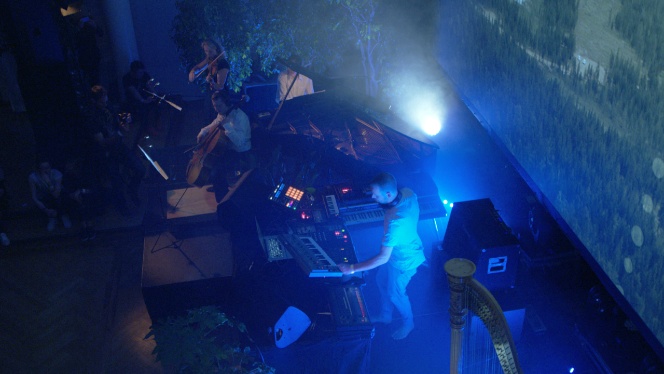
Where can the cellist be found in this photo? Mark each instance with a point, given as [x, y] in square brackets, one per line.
[227, 140]
[214, 63]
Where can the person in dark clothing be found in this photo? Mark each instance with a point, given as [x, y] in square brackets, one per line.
[80, 189]
[4, 204]
[109, 151]
[137, 85]
[89, 54]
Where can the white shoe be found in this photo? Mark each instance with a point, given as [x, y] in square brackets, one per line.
[66, 222]
[4, 239]
[51, 224]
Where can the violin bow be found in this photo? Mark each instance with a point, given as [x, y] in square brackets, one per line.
[163, 98]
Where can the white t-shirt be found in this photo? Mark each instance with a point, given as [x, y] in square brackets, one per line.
[400, 232]
[302, 86]
[236, 128]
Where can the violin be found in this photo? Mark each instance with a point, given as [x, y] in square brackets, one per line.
[211, 67]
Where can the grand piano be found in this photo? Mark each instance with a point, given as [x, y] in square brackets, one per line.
[317, 155]
[322, 150]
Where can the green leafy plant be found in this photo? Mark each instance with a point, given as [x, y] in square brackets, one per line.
[204, 341]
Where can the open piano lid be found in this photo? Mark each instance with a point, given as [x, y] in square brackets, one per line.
[354, 126]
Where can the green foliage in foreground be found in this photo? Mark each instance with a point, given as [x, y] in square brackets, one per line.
[204, 341]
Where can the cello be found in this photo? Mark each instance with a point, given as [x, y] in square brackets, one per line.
[198, 172]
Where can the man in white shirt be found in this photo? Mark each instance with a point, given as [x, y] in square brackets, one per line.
[233, 150]
[233, 121]
[401, 252]
[302, 85]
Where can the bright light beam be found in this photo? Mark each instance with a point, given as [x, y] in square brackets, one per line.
[426, 111]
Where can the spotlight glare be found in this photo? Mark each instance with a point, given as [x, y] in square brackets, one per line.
[423, 109]
[571, 370]
[431, 126]
[445, 201]
[451, 205]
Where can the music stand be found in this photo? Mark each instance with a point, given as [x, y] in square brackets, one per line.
[155, 164]
[175, 243]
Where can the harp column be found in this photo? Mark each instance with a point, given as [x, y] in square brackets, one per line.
[459, 272]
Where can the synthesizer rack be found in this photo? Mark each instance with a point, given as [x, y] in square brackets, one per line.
[318, 247]
[317, 240]
[369, 213]
[348, 309]
[357, 209]
[310, 256]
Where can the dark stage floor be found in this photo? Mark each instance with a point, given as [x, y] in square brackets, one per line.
[62, 297]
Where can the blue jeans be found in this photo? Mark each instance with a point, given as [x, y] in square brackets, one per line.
[392, 284]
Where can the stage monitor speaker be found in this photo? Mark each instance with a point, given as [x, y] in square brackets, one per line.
[476, 232]
[186, 268]
[515, 319]
[175, 299]
[290, 326]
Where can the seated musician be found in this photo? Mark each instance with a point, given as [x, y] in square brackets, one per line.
[232, 153]
[301, 86]
[215, 63]
[137, 84]
[109, 153]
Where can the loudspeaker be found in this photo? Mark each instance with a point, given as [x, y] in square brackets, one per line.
[184, 268]
[515, 318]
[290, 326]
[175, 299]
[476, 232]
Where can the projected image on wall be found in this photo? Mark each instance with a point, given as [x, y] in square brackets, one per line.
[575, 91]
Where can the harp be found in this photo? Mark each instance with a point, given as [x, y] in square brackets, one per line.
[467, 294]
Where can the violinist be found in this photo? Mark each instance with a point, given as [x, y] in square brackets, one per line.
[214, 65]
[137, 84]
[109, 154]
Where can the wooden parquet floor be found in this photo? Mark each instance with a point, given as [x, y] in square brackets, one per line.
[73, 307]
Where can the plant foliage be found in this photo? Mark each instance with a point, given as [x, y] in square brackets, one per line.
[204, 341]
[255, 34]
[322, 32]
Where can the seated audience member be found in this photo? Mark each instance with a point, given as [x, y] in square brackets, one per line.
[109, 152]
[4, 203]
[302, 85]
[46, 189]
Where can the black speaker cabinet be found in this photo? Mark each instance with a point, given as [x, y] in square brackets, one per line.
[186, 267]
[175, 299]
[476, 232]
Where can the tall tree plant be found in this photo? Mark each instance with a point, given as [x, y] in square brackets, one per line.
[256, 33]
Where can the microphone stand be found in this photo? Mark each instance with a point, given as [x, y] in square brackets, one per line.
[281, 103]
